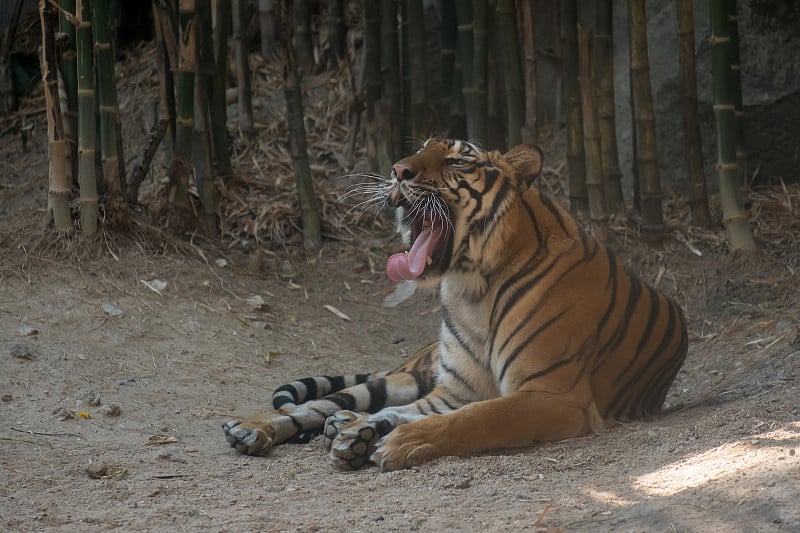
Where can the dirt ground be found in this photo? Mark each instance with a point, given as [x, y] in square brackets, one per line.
[118, 368]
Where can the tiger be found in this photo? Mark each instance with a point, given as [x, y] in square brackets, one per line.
[545, 335]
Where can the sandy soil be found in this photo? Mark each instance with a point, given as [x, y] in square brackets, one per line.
[180, 361]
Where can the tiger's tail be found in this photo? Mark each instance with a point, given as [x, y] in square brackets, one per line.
[313, 388]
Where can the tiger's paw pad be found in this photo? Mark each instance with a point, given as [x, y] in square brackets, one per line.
[353, 445]
[335, 423]
[249, 437]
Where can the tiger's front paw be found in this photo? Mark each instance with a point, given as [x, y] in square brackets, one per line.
[405, 447]
[351, 439]
[250, 436]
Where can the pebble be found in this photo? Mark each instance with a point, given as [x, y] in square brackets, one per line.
[22, 351]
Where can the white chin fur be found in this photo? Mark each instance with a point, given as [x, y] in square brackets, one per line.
[402, 229]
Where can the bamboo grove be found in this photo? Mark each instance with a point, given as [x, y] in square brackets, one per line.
[473, 75]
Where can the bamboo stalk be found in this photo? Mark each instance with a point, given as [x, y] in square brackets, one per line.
[8, 99]
[202, 154]
[529, 134]
[312, 236]
[303, 47]
[736, 81]
[604, 68]
[372, 51]
[337, 32]
[734, 216]
[416, 65]
[165, 22]
[515, 90]
[576, 162]
[449, 35]
[390, 66]
[645, 119]
[595, 185]
[246, 122]
[480, 74]
[181, 166]
[465, 49]
[69, 75]
[698, 193]
[113, 162]
[218, 102]
[60, 182]
[87, 177]
[266, 21]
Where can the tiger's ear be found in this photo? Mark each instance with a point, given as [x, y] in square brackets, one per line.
[526, 160]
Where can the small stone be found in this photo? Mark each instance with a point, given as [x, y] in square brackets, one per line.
[92, 399]
[22, 351]
[97, 471]
[791, 452]
[8, 398]
[26, 331]
[112, 310]
[64, 414]
[111, 410]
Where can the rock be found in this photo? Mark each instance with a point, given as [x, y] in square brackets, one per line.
[22, 351]
[111, 410]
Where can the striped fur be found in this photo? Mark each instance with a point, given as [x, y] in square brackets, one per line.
[545, 334]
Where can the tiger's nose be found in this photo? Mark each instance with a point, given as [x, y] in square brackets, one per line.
[402, 172]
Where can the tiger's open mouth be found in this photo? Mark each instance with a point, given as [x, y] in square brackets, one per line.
[431, 243]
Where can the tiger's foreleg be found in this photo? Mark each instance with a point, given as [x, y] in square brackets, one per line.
[257, 434]
[512, 421]
[353, 438]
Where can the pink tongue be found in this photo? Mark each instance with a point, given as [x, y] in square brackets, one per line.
[408, 266]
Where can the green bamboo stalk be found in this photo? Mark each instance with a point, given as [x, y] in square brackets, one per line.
[246, 122]
[645, 119]
[576, 162]
[698, 193]
[390, 66]
[595, 185]
[529, 134]
[416, 65]
[60, 182]
[181, 167]
[218, 102]
[480, 74]
[69, 75]
[515, 90]
[112, 160]
[604, 68]
[87, 177]
[312, 235]
[734, 216]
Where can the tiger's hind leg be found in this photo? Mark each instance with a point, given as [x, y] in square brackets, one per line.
[256, 435]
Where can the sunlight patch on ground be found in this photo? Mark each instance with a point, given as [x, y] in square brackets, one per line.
[609, 497]
[724, 460]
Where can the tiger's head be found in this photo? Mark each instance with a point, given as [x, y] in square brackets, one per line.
[449, 197]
